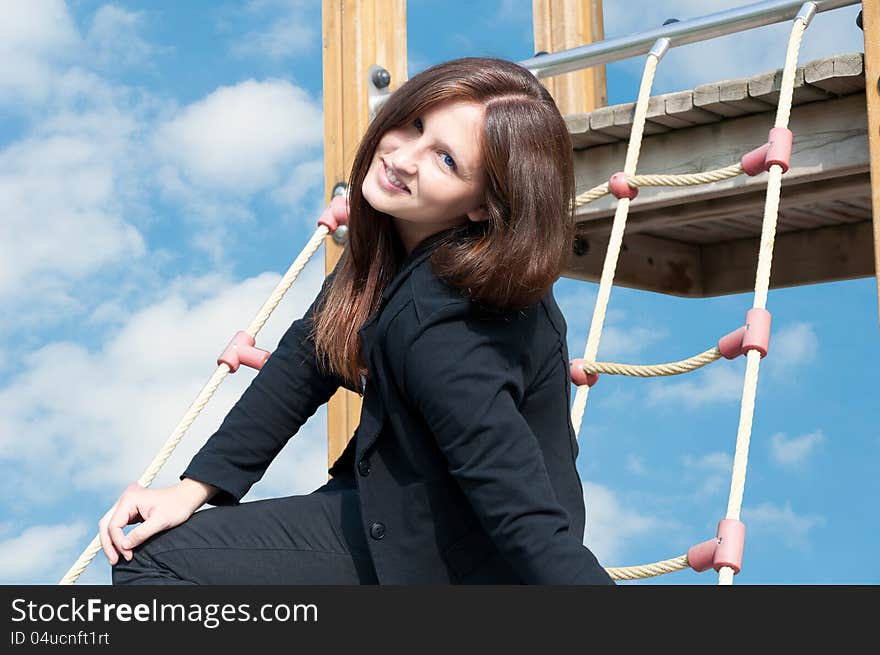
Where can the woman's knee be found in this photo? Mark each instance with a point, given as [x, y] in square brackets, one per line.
[144, 568]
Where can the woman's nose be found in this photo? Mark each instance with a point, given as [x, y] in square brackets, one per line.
[405, 161]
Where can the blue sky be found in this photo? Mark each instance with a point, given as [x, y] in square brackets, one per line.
[161, 167]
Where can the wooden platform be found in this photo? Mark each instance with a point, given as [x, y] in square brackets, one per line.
[703, 241]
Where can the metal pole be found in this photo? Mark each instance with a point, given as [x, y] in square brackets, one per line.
[680, 33]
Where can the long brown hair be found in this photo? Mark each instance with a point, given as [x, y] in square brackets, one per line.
[530, 190]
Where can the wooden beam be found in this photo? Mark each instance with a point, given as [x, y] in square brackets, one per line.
[563, 24]
[646, 262]
[650, 263]
[356, 35]
[826, 254]
[871, 25]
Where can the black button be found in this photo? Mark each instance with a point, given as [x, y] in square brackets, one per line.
[377, 530]
[364, 467]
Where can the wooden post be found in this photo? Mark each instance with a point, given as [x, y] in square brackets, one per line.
[563, 24]
[356, 35]
[871, 26]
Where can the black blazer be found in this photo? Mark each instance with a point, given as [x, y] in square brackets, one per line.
[464, 456]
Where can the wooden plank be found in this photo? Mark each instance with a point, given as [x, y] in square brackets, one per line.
[826, 254]
[581, 134]
[623, 118]
[722, 206]
[602, 121]
[708, 97]
[871, 23]
[830, 140]
[355, 35]
[737, 92]
[766, 88]
[841, 75]
[681, 105]
[563, 24]
[657, 113]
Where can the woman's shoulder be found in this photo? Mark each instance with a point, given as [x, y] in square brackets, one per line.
[435, 298]
[431, 293]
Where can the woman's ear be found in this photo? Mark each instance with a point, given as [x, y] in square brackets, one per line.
[478, 214]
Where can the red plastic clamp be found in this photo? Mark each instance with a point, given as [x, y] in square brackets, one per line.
[777, 150]
[726, 549]
[241, 351]
[335, 214]
[579, 376]
[754, 335]
[620, 188]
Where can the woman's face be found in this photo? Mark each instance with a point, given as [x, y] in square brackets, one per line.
[429, 175]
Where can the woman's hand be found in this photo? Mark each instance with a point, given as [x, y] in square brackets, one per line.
[158, 509]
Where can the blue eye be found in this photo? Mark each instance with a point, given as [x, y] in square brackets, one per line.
[447, 159]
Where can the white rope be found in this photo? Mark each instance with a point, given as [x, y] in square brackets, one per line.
[654, 370]
[206, 393]
[762, 286]
[617, 229]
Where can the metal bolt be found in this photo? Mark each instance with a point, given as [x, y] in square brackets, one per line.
[381, 78]
[340, 235]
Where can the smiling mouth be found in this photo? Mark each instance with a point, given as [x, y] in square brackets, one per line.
[396, 183]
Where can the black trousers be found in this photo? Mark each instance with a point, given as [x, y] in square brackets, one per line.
[313, 539]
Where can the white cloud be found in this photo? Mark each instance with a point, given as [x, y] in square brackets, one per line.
[635, 464]
[31, 556]
[737, 55]
[781, 523]
[619, 344]
[720, 382]
[791, 347]
[794, 451]
[115, 40]
[61, 219]
[306, 180]
[610, 525]
[289, 30]
[107, 411]
[238, 138]
[716, 467]
[34, 36]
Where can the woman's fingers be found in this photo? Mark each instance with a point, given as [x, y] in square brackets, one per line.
[144, 531]
[123, 515]
[126, 511]
[104, 535]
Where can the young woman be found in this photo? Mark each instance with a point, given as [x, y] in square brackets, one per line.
[440, 312]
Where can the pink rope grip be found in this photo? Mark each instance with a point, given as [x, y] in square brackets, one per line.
[726, 549]
[731, 345]
[241, 351]
[777, 150]
[757, 331]
[731, 541]
[335, 214]
[579, 376]
[620, 188]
